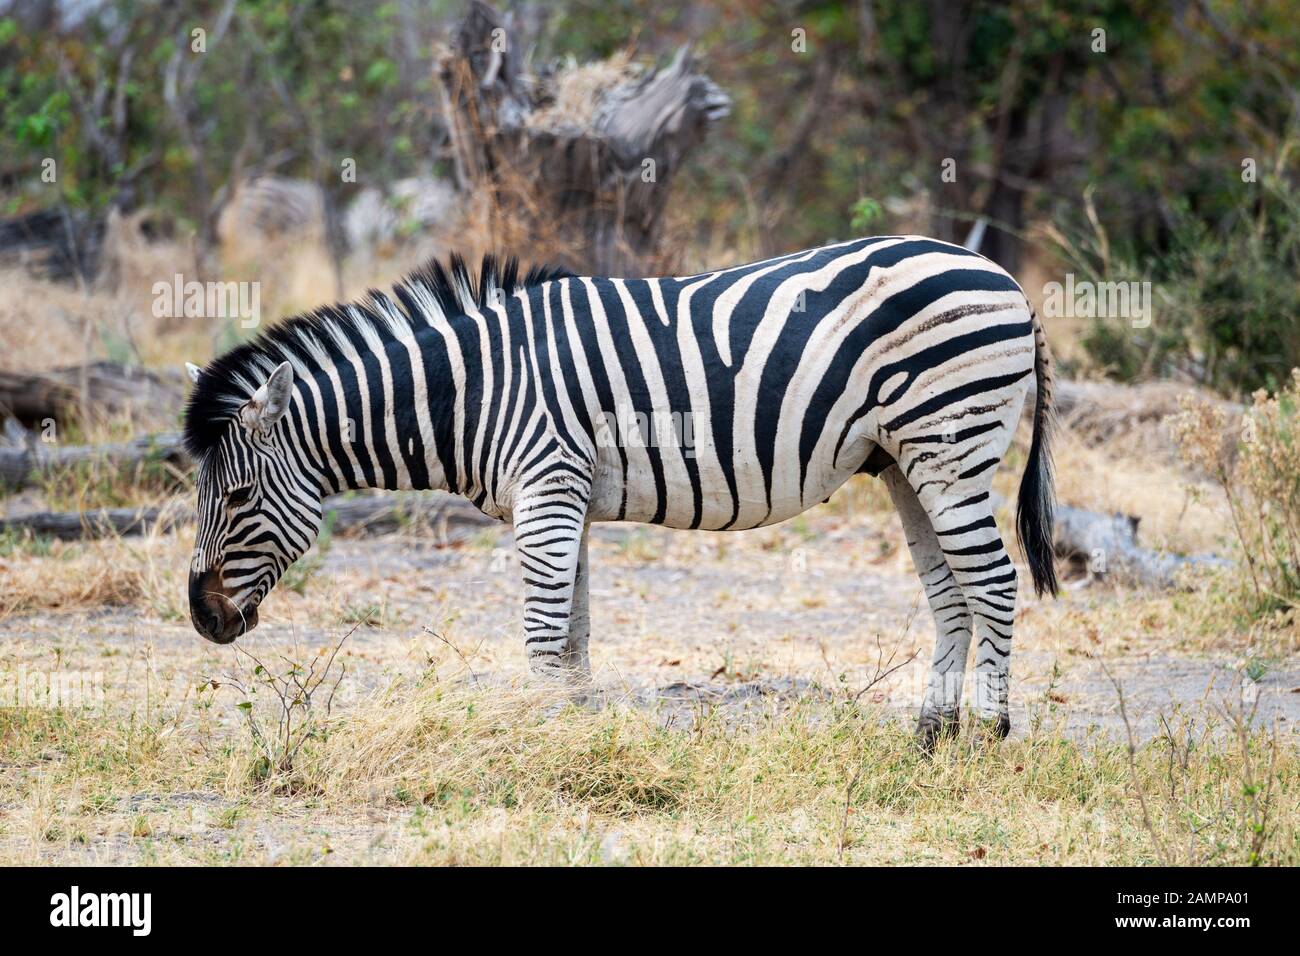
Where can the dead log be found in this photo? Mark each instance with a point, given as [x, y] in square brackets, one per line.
[384, 514]
[84, 394]
[1105, 546]
[370, 514]
[96, 523]
[1104, 412]
[55, 244]
[23, 465]
[580, 158]
[1097, 546]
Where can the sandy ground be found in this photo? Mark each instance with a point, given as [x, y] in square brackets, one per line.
[682, 623]
[678, 618]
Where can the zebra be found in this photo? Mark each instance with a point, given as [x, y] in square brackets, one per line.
[273, 208]
[378, 223]
[263, 217]
[903, 357]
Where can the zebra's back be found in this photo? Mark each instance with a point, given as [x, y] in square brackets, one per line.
[742, 397]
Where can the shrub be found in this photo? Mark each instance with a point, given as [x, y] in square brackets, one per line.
[1226, 313]
[1258, 468]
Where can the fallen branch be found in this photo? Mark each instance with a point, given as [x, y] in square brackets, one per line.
[22, 466]
[1106, 546]
[371, 514]
[85, 393]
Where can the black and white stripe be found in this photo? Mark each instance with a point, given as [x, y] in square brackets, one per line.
[900, 356]
[272, 207]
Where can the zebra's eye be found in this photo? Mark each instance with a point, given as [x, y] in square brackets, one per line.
[238, 496]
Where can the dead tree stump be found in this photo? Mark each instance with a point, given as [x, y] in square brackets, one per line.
[579, 160]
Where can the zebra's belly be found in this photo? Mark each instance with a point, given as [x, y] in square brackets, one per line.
[700, 491]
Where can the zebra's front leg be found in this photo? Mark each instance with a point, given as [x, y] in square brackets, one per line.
[941, 706]
[550, 537]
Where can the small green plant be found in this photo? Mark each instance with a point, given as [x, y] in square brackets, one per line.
[1048, 703]
[228, 817]
[14, 543]
[292, 688]
[369, 615]
[1221, 316]
[732, 669]
[1256, 669]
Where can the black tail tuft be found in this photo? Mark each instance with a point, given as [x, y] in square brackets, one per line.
[1035, 505]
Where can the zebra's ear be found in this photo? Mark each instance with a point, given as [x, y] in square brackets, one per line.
[270, 402]
[194, 371]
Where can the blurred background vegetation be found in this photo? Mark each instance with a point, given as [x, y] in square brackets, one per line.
[1136, 140]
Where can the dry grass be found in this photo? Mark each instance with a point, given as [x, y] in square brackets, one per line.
[434, 772]
[775, 792]
[50, 575]
[423, 769]
[1178, 512]
[1201, 621]
[45, 325]
[413, 766]
[98, 483]
[294, 274]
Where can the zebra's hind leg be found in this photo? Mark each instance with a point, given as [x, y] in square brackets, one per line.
[941, 706]
[962, 518]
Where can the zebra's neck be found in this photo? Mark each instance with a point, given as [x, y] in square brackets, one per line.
[376, 418]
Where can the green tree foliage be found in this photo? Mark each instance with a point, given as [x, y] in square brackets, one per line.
[1194, 182]
[833, 102]
[1227, 307]
[301, 85]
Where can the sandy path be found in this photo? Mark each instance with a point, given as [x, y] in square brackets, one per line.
[700, 618]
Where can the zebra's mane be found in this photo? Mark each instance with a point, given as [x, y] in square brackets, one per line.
[317, 339]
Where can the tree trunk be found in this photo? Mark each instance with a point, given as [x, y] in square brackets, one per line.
[1005, 212]
[581, 170]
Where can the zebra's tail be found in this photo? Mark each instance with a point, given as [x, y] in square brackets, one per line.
[1035, 505]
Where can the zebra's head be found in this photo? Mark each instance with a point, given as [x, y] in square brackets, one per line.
[257, 512]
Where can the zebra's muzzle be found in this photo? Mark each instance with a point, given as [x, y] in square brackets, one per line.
[212, 611]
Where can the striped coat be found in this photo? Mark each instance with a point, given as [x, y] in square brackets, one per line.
[723, 401]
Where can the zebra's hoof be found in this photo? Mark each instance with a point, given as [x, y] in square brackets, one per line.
[587, 697]
[993, 729]
[935, 726]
